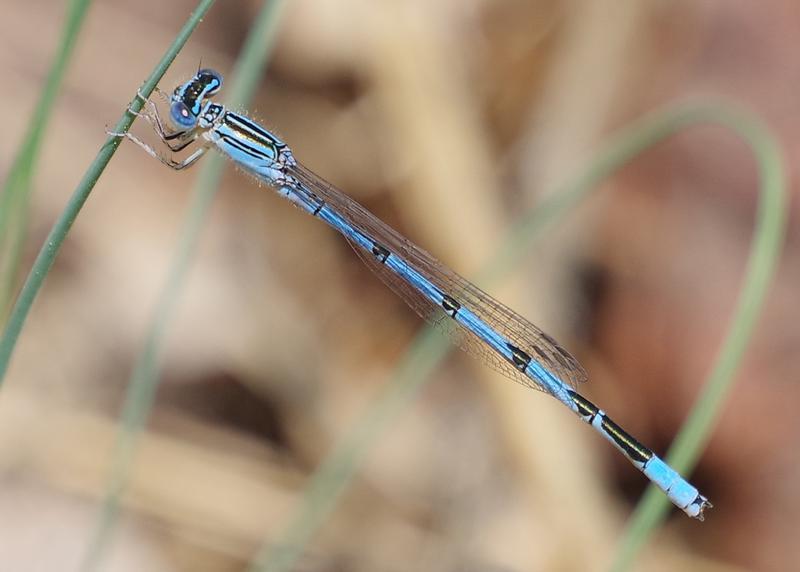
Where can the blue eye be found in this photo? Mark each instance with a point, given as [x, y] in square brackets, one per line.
[181, 115]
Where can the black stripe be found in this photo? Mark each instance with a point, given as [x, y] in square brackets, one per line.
[244, 148]
[238, 122]
[319, 208]
[626, 442]
[585, 407]
[262, 138]
[246, 122]
[380, 252]
[588, 410]
[450, 305]
[519, 357]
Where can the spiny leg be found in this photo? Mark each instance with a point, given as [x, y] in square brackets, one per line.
[182, 138]
[175, 142]
[171, 163]
[162, 94]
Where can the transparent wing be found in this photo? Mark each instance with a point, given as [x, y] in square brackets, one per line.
[511, 325]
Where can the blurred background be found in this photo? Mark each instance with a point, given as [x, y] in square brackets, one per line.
[449, 119]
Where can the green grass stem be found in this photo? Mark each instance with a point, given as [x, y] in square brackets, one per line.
[332, 477]
[47, 254]
[143, 383]
[765, 249]
[15, 196]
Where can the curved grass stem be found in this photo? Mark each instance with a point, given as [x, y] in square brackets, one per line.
[765, 249]
[332, 477]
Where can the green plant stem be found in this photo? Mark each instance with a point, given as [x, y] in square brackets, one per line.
[48, 252]
[333, 476]
[143, 383]
[762, 262]
[15, 197]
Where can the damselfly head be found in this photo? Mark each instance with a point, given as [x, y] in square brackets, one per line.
[188, 99]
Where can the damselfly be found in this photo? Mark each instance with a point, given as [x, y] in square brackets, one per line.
[478, 323]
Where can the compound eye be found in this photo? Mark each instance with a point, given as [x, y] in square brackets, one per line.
[181, 115]
[212, 79]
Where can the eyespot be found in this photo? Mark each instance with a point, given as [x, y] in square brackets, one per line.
[181, 115]
[212, 80]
